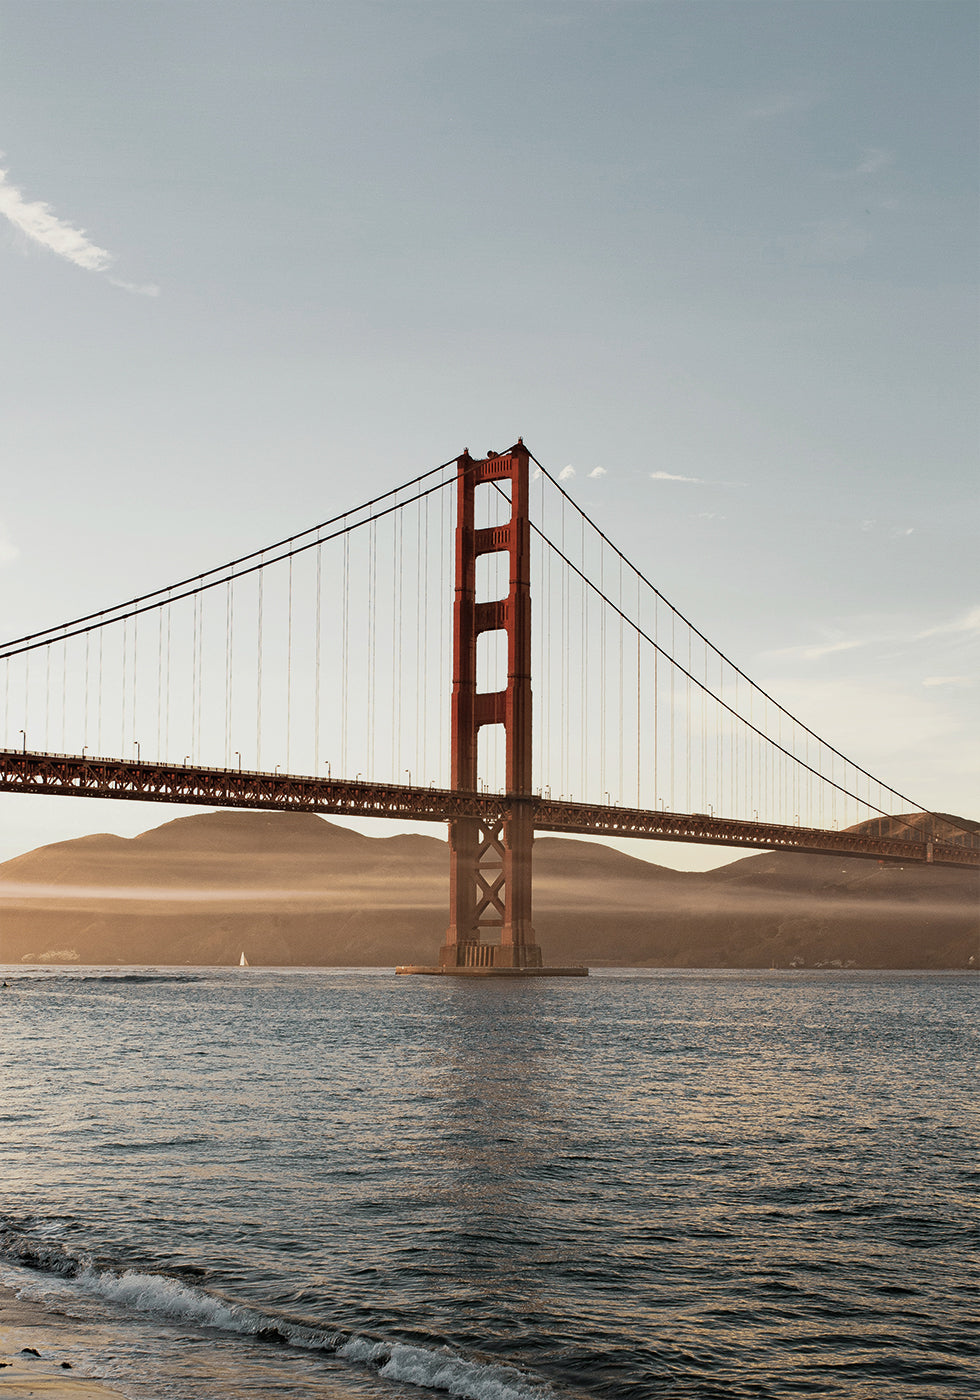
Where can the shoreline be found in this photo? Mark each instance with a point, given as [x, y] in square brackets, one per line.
[24, 1324]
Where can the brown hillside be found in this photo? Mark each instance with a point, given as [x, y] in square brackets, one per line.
[295, 889]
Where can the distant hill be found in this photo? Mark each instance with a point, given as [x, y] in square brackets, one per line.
[293, 889]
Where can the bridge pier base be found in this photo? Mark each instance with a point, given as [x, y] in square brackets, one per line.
[418, 971]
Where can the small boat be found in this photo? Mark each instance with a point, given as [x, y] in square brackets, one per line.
[243, 961]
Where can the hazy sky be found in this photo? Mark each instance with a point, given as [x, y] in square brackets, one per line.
[258, 260]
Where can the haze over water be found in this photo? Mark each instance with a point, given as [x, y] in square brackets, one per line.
[334, 1183]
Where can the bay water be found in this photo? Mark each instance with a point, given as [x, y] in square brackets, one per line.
[646, 1183]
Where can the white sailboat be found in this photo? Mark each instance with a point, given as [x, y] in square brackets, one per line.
[243, 961]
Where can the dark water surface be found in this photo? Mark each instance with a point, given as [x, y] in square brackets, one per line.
[342, 1184]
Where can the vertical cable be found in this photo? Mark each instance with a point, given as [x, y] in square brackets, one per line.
[656, 699]
[159, 744]
[122, 738]
[584, 662]
[422, 683]
[47, 694]
[228, 588]
[289, 662]
[372, 641]
[166, 729]
[396, 623]
[98, 740]
[317, 627]
[88, 636]
[231, 670]
[195, 611]
[136, 625]
[258, 667]
[344, 640]
[64, 695]
[687, 722]
[602, 670]
[673, 707]
[639, 696]
[622, 689]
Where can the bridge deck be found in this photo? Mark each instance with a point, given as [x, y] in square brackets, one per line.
[72, 775]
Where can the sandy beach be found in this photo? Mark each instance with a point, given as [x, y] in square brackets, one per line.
[26, 1328]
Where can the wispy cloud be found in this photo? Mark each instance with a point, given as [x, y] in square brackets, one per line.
[816, 650]
[566, 473]
[596, 472]
[873, 159]
[948, 680]
[966, 623]
[142, 289]
[669, 476]
[38, 222]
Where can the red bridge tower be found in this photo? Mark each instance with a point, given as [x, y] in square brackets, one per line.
[490, 870]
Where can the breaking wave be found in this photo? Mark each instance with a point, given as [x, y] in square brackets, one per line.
[436, 1368]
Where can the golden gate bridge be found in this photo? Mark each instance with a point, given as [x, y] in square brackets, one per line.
[387, 659]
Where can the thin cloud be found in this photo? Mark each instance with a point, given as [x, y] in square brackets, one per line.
[38, 222]
[947, 680]
[669, 476]
[818, 650]
[566, 473]
[968, 622]
[874, 159]
[596, 472]
[141, 289]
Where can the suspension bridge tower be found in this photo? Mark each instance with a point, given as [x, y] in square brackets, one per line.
[490, 930]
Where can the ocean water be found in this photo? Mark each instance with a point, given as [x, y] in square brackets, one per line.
[640, 1184]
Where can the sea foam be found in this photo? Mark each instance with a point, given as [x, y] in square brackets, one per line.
[436, 1368]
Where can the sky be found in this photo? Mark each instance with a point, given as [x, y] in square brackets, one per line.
[259, 261]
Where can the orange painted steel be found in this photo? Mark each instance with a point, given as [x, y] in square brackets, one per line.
[71, 775]
[490, 856]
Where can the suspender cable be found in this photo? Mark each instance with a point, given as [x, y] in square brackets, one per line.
[122, 736]
[98, 739]
[289, 662]
[64, 696]
[47, 694]
[159, 748]
[344, 635]
[258, 675]
[317, 640]
[136, 628]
